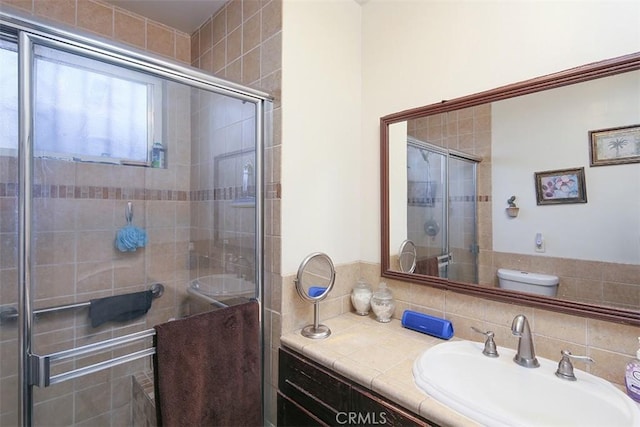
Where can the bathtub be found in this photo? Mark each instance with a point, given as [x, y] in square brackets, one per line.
[217, 288]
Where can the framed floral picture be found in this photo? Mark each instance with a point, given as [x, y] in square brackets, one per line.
[615, 146]
[560, 186]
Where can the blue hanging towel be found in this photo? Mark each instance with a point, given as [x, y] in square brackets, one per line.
[129, 238]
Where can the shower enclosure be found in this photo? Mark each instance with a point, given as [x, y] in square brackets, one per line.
[441, 209]
[88, 128]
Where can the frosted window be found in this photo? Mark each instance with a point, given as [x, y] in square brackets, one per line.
[86, 109]
[8, 95]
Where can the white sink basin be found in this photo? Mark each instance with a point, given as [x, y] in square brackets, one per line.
[497, 392]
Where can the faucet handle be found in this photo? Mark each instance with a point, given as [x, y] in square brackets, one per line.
[565, 367]
[490, 349]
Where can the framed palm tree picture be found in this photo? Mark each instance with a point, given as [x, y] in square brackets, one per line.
[615, 146]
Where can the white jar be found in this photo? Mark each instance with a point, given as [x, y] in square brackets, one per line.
[382, 304]
[361, 297]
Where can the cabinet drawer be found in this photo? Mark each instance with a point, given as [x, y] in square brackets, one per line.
[375, 410]
[290, 414]
[313, 388]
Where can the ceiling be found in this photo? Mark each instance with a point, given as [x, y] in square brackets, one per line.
[183, 15]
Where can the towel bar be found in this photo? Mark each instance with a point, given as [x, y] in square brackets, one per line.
[41, 365]
[207, 298]
[9, 313]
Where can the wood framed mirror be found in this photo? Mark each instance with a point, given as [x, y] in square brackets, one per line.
[512, 132]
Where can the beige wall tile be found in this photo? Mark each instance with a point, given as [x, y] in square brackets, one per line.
[95, 17]
[54, 247]
[271, 19]
[195, 45]
[20, 4]
[561, 326]
[218, 28]
[53, 281]
[234, 45]
[250, 7]
[58, 10]
[205, 35]
[183, 48]
[615, 337]
[8, 214]
[207, 61]
[160, 39]
[270, 55]
[130, 29]
[251, 33]
[608, 365]
[234, 14]
[59, 410]
[91, 401]
[95, 246]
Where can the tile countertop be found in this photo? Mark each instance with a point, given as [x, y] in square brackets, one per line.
[378, 356]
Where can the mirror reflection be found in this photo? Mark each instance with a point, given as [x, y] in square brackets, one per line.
[451, 176]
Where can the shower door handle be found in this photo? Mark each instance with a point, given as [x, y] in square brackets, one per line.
[39, 370]
[40, 366]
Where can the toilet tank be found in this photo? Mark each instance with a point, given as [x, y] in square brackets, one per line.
[524, 281]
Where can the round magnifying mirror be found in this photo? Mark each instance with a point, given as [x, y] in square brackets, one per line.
[407, 256]
[314, 281]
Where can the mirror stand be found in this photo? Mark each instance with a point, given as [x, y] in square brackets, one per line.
[314, 281]
[316, 331]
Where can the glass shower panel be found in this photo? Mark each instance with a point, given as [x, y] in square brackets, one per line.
[198, 213]
[9, 346]
[224, 211]
[426, 208]
[462, 220]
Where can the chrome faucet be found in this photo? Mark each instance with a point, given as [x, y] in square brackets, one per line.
[526, 355]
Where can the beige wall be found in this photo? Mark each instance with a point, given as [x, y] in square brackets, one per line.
[450, 64]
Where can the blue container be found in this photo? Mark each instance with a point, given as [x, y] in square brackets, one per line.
[426, 324]
[316, 291]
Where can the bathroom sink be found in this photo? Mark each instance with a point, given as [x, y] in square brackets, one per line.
[497, 392]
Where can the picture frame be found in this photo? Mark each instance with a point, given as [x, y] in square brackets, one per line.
[615, 146]
[560, 186]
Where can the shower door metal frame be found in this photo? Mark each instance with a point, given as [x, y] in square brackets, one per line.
[29, 33]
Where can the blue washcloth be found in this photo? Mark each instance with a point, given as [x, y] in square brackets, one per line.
[129, 238]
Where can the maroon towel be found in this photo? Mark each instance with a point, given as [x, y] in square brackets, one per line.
[428, 267]
[207, 369]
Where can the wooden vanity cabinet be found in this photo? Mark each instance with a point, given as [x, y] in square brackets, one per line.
[312, 395]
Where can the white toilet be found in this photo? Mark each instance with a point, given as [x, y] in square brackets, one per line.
[532, 283]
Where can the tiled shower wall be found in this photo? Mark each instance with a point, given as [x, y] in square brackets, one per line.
[246, 39]
[223, 211]
[243, 43]
[78, 208]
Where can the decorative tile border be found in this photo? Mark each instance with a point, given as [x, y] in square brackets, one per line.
[10, 189]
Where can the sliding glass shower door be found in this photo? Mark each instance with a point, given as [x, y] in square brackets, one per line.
[441, 211]
[130, 195]
[9, 336]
